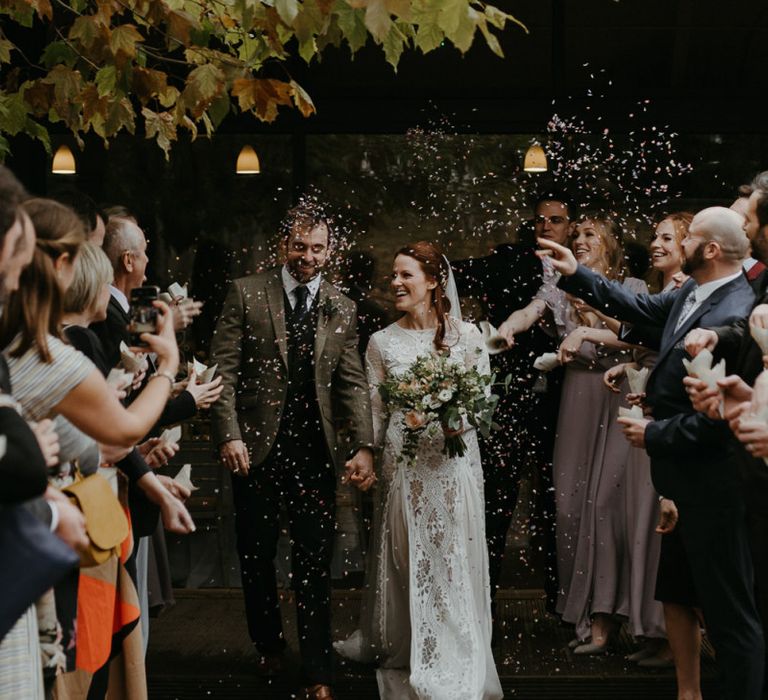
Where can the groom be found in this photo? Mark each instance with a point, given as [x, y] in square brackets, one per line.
[286, 347]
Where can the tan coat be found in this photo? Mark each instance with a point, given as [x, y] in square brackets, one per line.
[251, 349]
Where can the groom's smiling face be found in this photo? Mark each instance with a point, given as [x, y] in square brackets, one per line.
[306, 251]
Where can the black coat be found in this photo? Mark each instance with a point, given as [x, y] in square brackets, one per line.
[689, 452]
[744, 357]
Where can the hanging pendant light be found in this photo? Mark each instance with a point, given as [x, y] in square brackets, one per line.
[247, 162]
[535, 159]
[64, 162]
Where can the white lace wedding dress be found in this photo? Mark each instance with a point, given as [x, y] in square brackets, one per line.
[427, 617]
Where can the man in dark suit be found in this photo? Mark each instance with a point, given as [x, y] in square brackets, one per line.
[745, 359]
[689, 450]
[504, 281]
[286, 346]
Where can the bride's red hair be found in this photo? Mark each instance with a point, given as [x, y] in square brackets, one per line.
[434, 265]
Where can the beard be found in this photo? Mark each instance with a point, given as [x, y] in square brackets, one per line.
[760, 245]
[694, 262]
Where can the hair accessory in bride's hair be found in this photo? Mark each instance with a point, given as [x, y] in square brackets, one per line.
[444, 272]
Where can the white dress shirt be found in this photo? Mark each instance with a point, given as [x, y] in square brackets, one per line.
[290, 283]
[121, 298]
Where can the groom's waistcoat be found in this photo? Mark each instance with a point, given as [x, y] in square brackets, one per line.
[302, 413]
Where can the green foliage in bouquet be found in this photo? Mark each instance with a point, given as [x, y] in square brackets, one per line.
[435, 391]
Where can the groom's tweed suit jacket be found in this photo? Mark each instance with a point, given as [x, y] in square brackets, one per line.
[251, 349]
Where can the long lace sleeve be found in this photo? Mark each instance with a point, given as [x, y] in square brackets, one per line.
[475, 353]
[374, 369]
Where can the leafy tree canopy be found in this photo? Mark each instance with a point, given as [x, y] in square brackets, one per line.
[108, 65]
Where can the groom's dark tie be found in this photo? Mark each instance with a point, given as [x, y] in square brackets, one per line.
[300, 310]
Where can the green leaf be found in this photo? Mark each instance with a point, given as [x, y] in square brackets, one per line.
[204, 83]
[450, 15]
[39, 132]
[465, 32]
[352, 24]
[124, 39]
[378, 20]
[490, 39]
[85, 31]
[13, 112]
[308, 49]
[58, 52]
[394, 44]
[288, 10]
[120, 116]
[106, 80]
[219, 109]
[309, 22]
[428, 37]
[5, 50]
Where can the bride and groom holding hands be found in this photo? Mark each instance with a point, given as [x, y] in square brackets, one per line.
[296, 401]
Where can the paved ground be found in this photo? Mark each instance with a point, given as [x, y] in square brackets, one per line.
[200, 649]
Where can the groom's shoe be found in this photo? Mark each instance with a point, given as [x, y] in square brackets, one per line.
[318, 692]
[269, 665]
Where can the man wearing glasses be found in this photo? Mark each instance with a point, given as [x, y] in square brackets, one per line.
[504, 281]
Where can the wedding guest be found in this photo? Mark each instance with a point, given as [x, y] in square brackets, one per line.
[126, 247]
[688, 450]
[504, 281]
[643, 508]
[52, 379]
[93, 217]
[745, 359]
[753, 267]
[86, 301]
[371, 317]
[590, 455]
[290, 376]
[431, 639]
[23, 468]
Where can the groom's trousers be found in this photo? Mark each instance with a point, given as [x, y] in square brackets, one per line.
[298, 473]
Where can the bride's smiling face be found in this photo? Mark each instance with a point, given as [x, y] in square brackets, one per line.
[410, 286]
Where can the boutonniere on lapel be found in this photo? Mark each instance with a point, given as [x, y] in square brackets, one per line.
[328, 307]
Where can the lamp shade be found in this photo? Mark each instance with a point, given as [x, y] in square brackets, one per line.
[63, 161]
[247, 162]
[535, 159]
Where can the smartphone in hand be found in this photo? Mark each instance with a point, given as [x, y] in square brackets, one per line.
[143, 315]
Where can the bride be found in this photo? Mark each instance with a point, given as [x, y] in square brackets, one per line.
[426, 618]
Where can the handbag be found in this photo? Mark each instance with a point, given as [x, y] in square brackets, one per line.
[105, 521]
[32, 559]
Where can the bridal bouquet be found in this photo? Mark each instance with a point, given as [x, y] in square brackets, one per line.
[436, 392]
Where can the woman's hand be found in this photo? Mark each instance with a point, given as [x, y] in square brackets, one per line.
[184, 312]
[48, 440]
[174, 488]
[613, 377]
[507, 331]
[163, 343]
[453, 433]
[571, 345]
[204, 394]
[157, 453]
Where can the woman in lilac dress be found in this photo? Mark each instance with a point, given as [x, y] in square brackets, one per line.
[591, 453]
